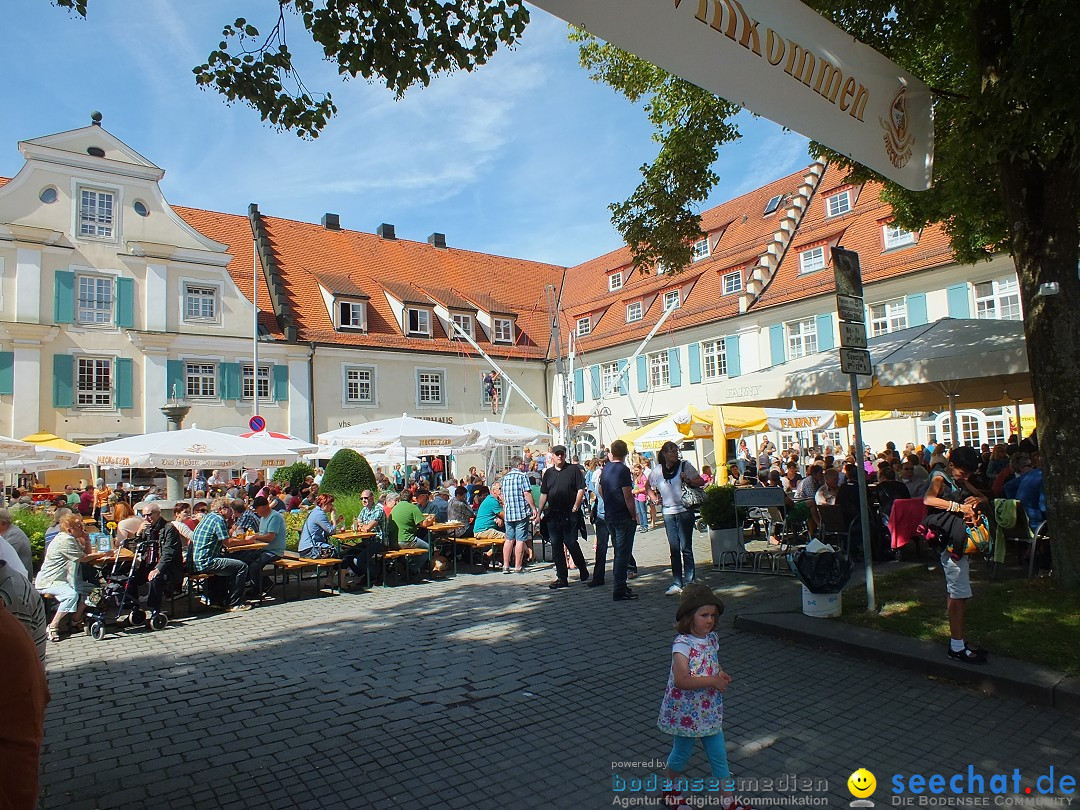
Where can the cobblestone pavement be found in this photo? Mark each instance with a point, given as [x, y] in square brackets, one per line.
[491, 691]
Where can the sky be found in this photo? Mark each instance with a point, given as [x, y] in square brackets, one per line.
[520, 158]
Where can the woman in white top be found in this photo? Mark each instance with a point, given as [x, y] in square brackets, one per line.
[666, 479]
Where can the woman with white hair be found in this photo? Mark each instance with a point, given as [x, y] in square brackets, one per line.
[59, 574]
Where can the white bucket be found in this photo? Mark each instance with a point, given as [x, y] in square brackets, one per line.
[820, 605]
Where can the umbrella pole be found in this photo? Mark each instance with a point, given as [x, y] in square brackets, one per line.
[864, 513]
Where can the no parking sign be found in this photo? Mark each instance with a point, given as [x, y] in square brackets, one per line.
[257, 423]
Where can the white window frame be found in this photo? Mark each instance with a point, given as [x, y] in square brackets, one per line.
[203, 292]
[732, 282]
[502, 330]
[772, 205]
[812, 259]
[672, 303]
[426, 378]
[465, 321]
[801, 337]
[995, 305]
[98, 229]
[888, 316]
[631, 317]
[351, 378]
[355, 307]
[423, 322]
[714, 359]
[206, 372]
[893, 236]
[94, 397]
[701, 249]
[615, 281]
[659, 370]
[247, 386]
[584, 326]
[107, 283]
[838, 204]
[609, 372]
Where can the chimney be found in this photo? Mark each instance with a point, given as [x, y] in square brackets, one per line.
[437, 240]
[332, 222]
[386, 231]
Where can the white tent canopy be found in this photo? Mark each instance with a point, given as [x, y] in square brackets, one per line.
[190, 448]
[491, 435]
[289, 442]
[422, 435]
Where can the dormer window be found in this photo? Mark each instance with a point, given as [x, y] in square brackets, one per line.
[352, 315]
[812, 259]
[895, 236]
[773, 204]
[97, 213]
[463, 322]
[615, 281]
[584, 326]
[502, 330]
[417, 322]
[701, 249]
[732, 282]
[633, 311]
[839, 203]
[672, 300]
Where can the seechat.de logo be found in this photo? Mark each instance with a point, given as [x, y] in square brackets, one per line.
[862, 784]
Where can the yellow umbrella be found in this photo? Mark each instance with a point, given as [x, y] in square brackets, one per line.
[53, 441]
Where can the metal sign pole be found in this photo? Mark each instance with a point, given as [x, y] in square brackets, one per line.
[864, 502]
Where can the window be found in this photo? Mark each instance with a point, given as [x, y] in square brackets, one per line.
[998, 299]
[95, 299]
[812, 259]
[633, 312]
[672, 300]
[96, 213]
[839, 203]
[996, 429]
[584, 326]
[701, 249]
[429, 387]
[888, 316]
[500, 389]
[895, 236]
[503, 331]
[464, 323]
[418, 322]
[615, 281]
[659, 372]
[609, 375]
[714, 358]
[773, 204]
[140, 208]
[93, 382]
[802, 337]
[359, 384]
[351, 315]
[200, 303]
[732, 282]
[200, 380]
[248, 386]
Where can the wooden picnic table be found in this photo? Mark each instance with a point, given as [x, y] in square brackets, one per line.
[445, 527]
[253, 546]
[97, 557]
[353, 535]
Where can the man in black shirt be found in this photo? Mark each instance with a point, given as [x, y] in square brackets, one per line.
[562, 490]
[616, 488]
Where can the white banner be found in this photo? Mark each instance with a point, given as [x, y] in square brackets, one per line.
[799, 420]
[782, 60]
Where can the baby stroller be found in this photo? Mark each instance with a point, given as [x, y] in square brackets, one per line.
[117, 593]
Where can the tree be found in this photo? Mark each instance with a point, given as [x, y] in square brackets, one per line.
[400, 42]
[348, 473]
[1006, 177]
[294, 475]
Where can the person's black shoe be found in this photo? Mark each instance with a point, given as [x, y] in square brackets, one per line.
[559, 583]
[584, 576]
[968, 655]
[625, 596]
[594, 583]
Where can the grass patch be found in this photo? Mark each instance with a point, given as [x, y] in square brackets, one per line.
[1028, 619]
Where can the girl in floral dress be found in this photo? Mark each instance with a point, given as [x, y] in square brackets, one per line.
[693, 705]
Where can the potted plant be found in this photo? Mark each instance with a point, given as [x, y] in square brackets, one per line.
[718, 513]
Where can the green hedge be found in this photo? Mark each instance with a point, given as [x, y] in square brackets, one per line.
[293, 475]
[34, 524]
[348, 473]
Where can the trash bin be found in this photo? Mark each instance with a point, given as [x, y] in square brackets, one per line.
[821, 605]
[823, 572]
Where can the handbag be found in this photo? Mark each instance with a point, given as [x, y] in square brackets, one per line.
[692, 497]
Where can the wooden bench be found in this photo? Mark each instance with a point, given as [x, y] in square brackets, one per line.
[293, 562]
[401, 554]
[474, 544]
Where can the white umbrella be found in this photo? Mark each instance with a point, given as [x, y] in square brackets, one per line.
[416, 434]
[491, 435]
[43, 460]
[188, 449]
[16, 448]
[285, 440]
[390, 455]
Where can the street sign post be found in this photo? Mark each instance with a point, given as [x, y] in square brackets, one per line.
[856, 362]
[850, 307]
[852, 335]
[257, 423]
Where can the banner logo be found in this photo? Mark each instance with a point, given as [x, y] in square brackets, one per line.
[898, 137]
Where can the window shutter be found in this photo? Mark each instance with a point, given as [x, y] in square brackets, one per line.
[695, 362]
[63, 380]
[825, 339]
[281, 383]
[579, 385]
[175, 384]
[230, 388]
[916, 309]
[776, 343]
[125, 382]
[594, 374]
[125, 303]
[731, 355]
[674, 368]
[624, 387]
[7, 372]
[959, 304]
[642, 374]
[64, 305]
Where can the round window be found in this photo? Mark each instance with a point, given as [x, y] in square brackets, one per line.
[141, 209]
[48, 195]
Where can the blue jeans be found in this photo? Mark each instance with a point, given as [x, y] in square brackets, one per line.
[232, 574]
[622, 536]
[715, 750]
[642, 514]
[680, 536]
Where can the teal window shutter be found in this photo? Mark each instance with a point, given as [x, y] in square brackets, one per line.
[642, 374]
[7, 372]
[731, 355]
[916, 309]
[695, 362]
[230, 388]
[624, 382]
[674, 368]
[125, 382]
[825, 338]
[125, 303]
[579, 385]
[175, 382]
[64, 305]
[594, 374]
[281, 383]
[63, 380]
[959, 303]
[777, 343]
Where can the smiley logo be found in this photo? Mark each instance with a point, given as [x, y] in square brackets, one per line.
[861, 783]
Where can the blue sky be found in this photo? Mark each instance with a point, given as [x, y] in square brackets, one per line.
[520, 158]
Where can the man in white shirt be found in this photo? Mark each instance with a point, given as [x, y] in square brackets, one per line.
[826, 496]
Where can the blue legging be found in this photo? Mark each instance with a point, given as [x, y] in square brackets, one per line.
[715, 750]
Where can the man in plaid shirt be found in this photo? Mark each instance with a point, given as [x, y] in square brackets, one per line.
[519, 511]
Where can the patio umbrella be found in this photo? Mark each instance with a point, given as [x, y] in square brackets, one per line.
[54, 442]
[293, 443]
[16, 448]
[490, 435]
[43, 460]
[187, 449]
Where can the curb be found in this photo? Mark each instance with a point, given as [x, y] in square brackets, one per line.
[1000, 676]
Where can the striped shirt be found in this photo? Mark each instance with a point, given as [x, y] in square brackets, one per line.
[515, 485]
[206, 543]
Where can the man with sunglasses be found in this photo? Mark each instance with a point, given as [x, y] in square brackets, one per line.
[562, 490]
[357, 557]
[164, 578]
